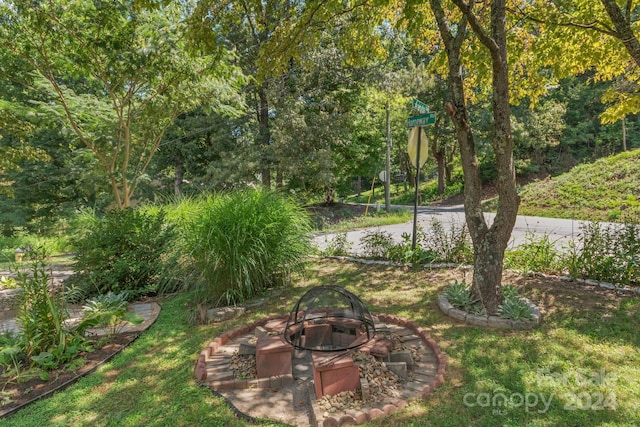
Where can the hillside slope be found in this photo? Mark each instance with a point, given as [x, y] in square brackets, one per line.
[605, 190]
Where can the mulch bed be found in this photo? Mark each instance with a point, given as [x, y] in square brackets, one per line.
[22, 393]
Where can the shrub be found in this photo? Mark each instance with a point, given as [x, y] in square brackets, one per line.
[535, 255]
[607, 252]
[44, 339]
[126, 250]
[339, 245]
[451, 246]
[377, 245]
[244, 242]
[439, 245]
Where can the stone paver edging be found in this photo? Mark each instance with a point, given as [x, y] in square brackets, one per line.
[490, 321]
[213, 369]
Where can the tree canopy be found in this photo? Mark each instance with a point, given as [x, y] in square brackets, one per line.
[114, 76]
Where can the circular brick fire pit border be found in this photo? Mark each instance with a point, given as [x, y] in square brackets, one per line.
[210, 369]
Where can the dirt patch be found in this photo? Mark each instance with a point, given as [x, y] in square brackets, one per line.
[19, 393]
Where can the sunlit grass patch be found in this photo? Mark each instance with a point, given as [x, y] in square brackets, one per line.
[581, 367]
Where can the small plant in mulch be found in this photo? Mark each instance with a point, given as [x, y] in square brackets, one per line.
[109, 313]
[8, 283]
[513, 306]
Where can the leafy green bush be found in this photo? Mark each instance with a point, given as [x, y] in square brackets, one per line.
[44, 339]
[451, 246]
[126, 250]
[439, 245]
[535, 255]
[338, 246]
[607, 252]
[377, 244]
[244, 242]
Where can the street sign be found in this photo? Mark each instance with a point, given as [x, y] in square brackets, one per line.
[383, 176]
[420, 106]
[421, 120]
[412, 148]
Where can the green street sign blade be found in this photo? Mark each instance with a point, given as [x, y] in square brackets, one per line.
[421, 120]
[420, 106]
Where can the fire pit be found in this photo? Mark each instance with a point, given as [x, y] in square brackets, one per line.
[329, 362]
[329, 319]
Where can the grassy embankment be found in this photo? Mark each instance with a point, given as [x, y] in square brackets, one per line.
[605, 190]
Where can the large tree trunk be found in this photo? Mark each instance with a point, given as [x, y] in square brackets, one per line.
[438, 154]
[438, 150]
[489, 244]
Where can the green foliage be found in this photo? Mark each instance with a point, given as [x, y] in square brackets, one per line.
[109, 313]
[513, 305]
[8, 283]
[244, 242]
[45, 340]
[338, 246]
[437, 245]
[450, 245]
[11, 355]
[123, 76]
[126, 250]
[534, 255]
[607, 252]
[459, 295]
[22, 239]
[377, 244]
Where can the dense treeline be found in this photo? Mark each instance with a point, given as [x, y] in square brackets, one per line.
[314, 126]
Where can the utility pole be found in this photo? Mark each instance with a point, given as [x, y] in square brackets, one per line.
[387, 182]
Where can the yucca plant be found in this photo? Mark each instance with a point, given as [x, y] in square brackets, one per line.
[459, 295]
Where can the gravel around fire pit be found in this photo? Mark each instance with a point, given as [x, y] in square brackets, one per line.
[381, 381]
[244, 366]
[413, 367]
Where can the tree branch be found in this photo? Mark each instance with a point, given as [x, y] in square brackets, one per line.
[595, 25]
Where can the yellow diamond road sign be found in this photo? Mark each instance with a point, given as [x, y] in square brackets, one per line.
[412, 149]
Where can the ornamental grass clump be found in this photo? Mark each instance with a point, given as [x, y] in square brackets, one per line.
[244, 242]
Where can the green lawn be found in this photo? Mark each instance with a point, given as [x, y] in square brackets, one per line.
[586, 333]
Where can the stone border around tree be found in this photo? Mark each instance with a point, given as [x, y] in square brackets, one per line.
[490, 321]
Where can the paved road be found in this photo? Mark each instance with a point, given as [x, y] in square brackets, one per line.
[560, 231]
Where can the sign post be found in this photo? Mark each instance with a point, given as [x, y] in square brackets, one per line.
[425, 118]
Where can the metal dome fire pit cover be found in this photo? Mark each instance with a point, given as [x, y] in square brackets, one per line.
[329, 318]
